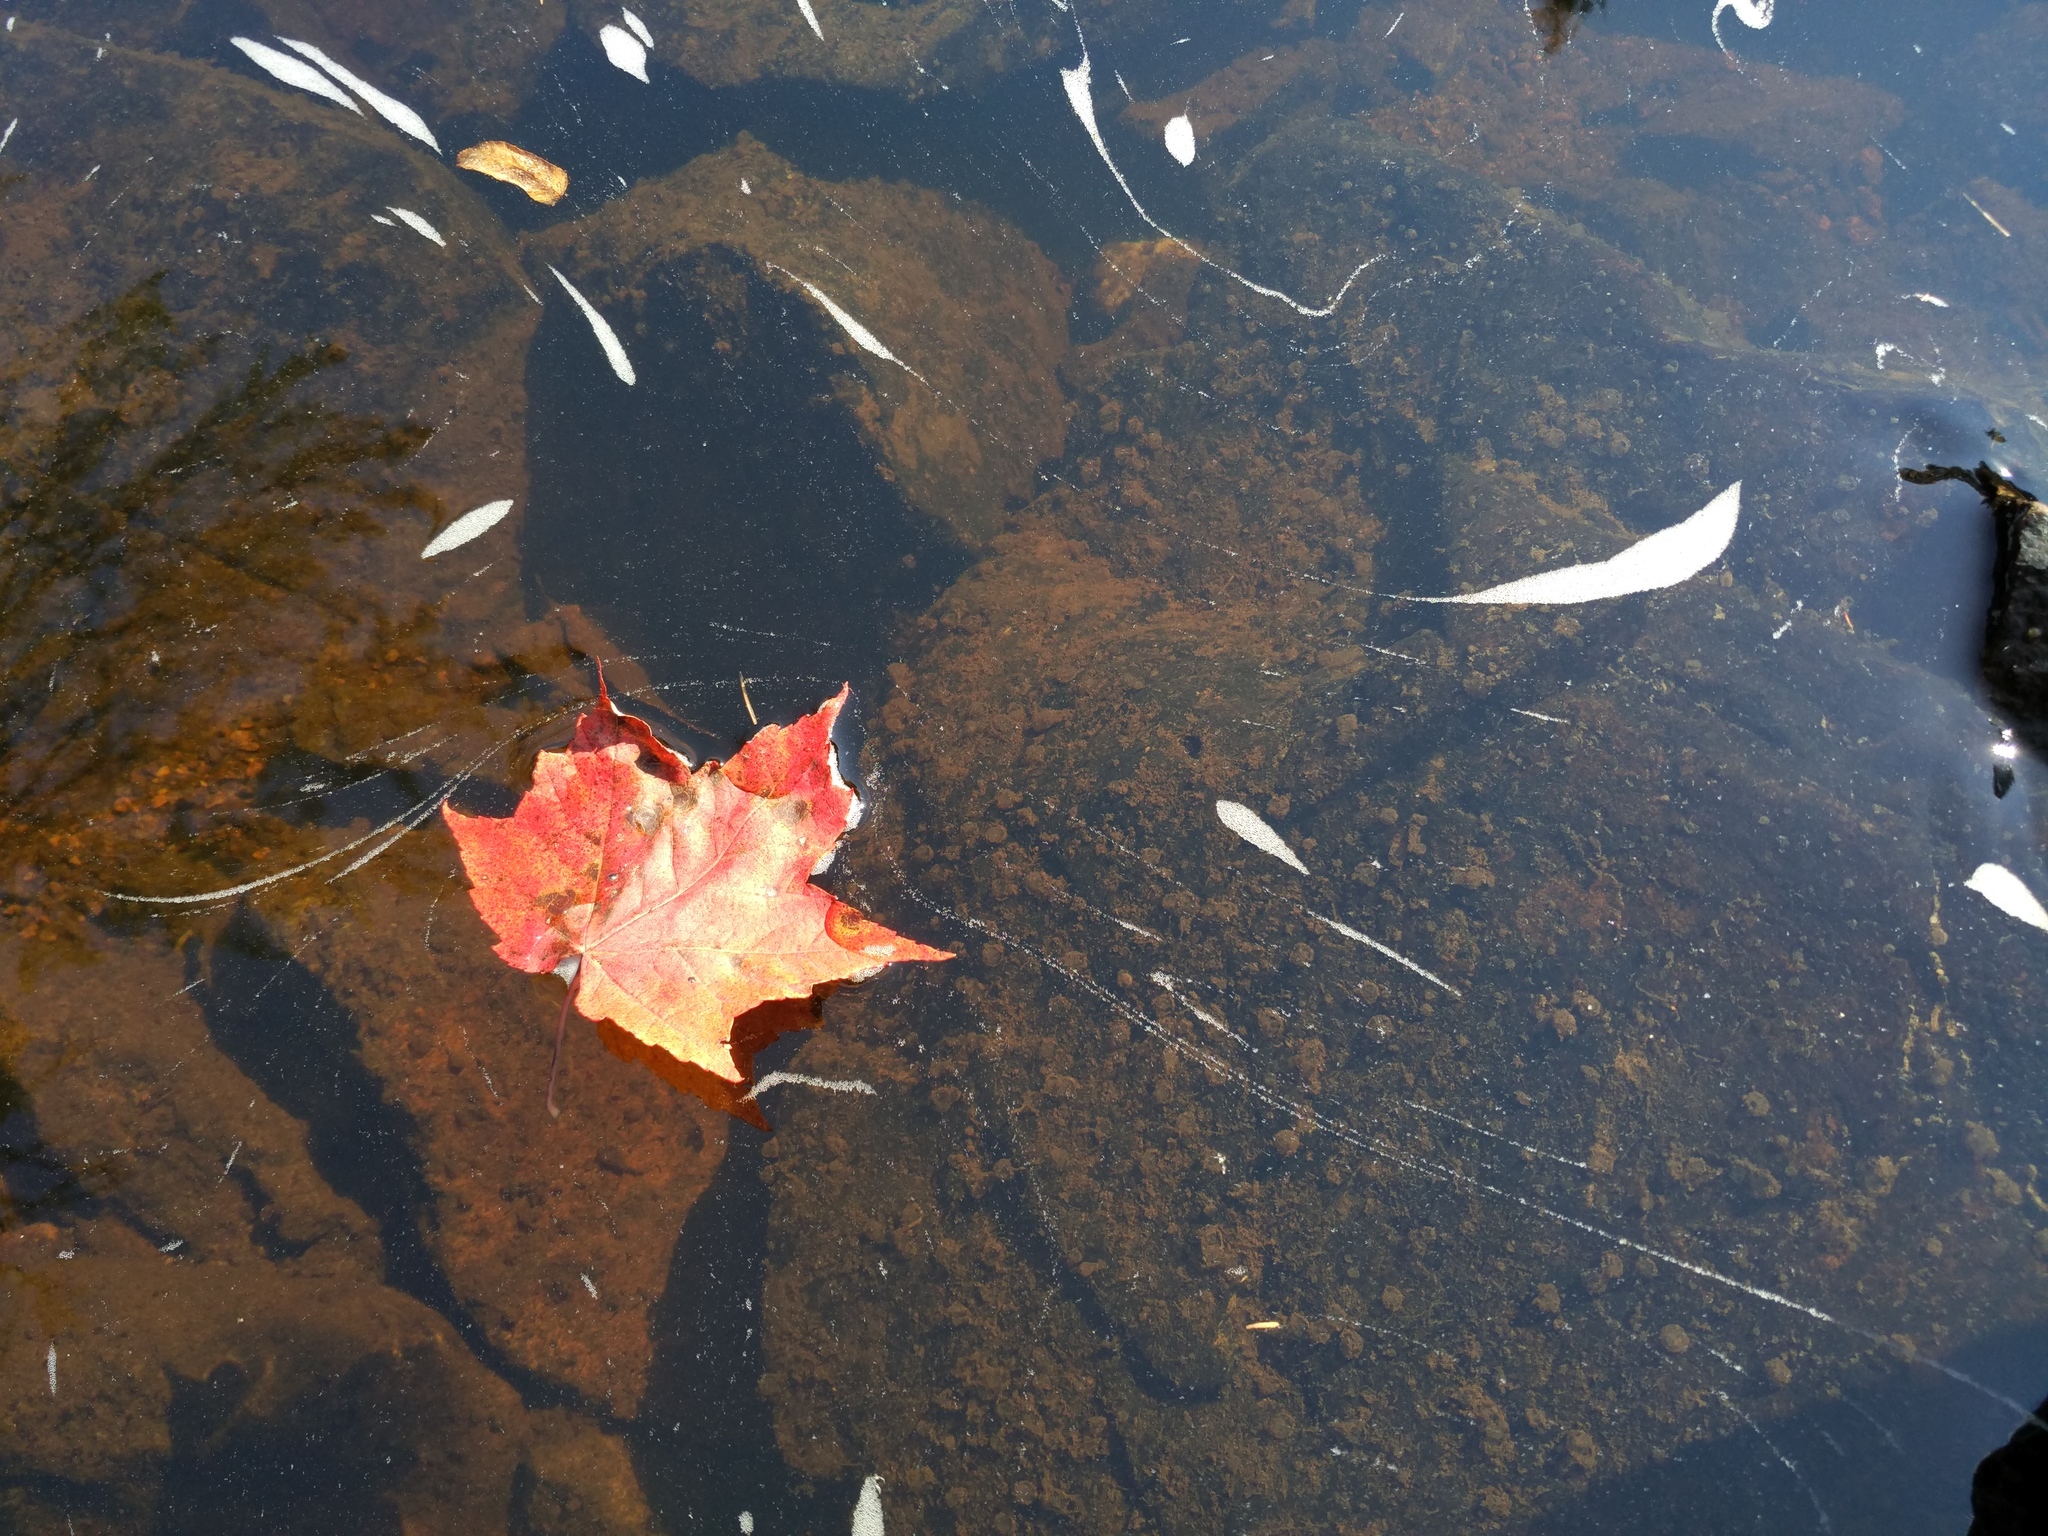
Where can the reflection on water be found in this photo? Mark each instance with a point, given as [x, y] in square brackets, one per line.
[1614, 1110]
[1556, 21]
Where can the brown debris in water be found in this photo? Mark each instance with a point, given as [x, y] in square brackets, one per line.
[540, 179]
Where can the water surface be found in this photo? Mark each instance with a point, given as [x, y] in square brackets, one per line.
[1667, 1158]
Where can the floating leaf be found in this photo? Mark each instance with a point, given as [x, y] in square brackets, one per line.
[625, 51]
[867, 1514]
[418, 225]
[2008, 892]
[1249, 825]
[1664, 559]
[542, 180]
[607, 338]
[473, 524]
[390, 108]
[1180, 139]
[294, 72]
[673, 900]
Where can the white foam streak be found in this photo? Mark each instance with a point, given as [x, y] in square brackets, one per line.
[1249, 825]
[614, 350]
[293, 71]
[637, 27]
[625, 52]
[2008, 892]
[812, 17]
[1664, 559]
[1080, 96]
[473, 524]
[390, 108]
[1180, 139]
[805, 1080]
[417, 225]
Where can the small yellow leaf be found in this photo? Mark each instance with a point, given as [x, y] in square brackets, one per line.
[541, 180]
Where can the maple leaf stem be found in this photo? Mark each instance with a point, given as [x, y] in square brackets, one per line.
[561, 1031]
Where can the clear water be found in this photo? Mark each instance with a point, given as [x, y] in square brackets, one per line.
[1677, 1170]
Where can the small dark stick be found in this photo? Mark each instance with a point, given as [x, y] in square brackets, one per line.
[561, 1031]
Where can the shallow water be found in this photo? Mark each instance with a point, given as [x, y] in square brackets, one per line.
[1623, 1117]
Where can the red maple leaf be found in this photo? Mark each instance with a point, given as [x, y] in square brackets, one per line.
[676, 901]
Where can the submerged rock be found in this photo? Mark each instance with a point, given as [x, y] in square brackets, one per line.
[213, 1322]
[2015, 658]
[967, 403]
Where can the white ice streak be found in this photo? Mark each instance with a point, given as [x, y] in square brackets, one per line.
[4, 137]
[625, 51]
[1249, 825]
[636, 26]
[389, 833]
[294, 72]
[607, 338]
[390, 108]
[2008, 892]
[1162, 980]
[416, 224]
[805, 1080]
[1480, 1130]
[50, 1364]
[867, 1514]
[812, 17]
[1378, 948]
[1664, 559]
[473, 524]
[1080, 96]
[1180, 139]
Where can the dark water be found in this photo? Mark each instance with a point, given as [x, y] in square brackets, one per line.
[1616, 1113]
